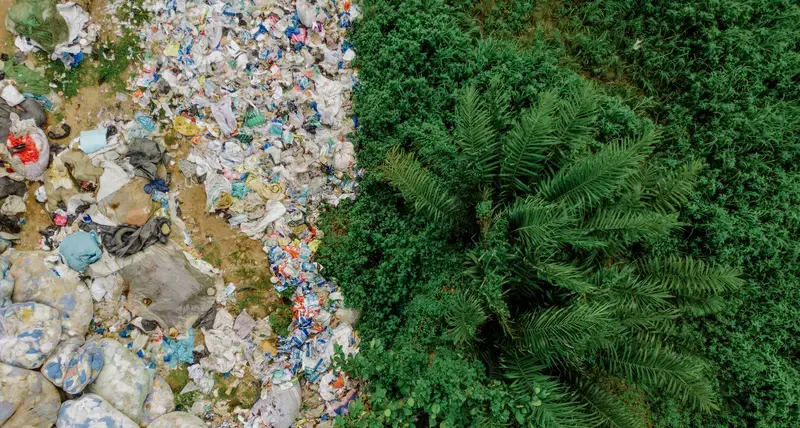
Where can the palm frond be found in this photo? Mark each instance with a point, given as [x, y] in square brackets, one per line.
[498, 102]
[666, 191]
[524, 147]
[557, 331]
[638, 296]
[552, 405]
[420, 187]
[475, 134]
[538, 223]
[700, 306]
[465, 314]
[653, 366]
[689, 277]
[605, 408]
[576, 112]
[628, 227]
[594, 178]
[564, 276]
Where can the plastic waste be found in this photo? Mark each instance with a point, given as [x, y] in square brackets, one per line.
[124, 380]
[11, 95]
[29, 333]
[40, 21]
[26, 148]
[278, 406]
[93, 140]
[6, 283]
[81, 167]
[27, 80]
[166, 288]
[92, 410]
[178, 420]
[146, 156]
[159, 402]
[12, 206]
[35, 282]
[58, 185]
[74, 365]
[129, 204]
[80, 249]
[121, 241]
[27, 399]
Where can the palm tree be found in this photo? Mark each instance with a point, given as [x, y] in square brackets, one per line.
[558, 301]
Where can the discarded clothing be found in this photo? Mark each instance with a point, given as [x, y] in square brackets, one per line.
[80, 249]
[121, 241]
[156, 185]
[10, 187]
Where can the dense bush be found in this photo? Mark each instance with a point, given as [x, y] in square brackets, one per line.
[725, 79]
[399, 266]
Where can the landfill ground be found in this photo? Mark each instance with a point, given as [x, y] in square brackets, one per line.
[245, 281]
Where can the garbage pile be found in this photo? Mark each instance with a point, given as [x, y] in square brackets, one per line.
[61, 29]
[250, 100]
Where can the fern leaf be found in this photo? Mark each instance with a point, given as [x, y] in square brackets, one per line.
[628, 227]
[689, 277]
[554, 332]
[653, 366]
[594, 178]
[638, 296]
[465, 314]
[700, 306]
[419, 187]
[525, 145]
[475, 134]
[565, 276]
[666, 191]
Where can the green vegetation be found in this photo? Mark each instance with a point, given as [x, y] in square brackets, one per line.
[497, 239]
[107, 63]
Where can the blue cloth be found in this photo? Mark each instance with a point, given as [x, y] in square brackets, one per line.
[179, 351]
[158, 184]
[80, 249]
[93, 140]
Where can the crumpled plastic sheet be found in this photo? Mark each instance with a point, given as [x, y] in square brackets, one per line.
[74, 365]
[27, 399]
[29, 333]
[159, 402]
[178, 420]
[124, 380]
[91, 410]
[146, 156]
[179, 351]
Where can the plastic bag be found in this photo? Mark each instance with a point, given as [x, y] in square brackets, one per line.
[279, 405]
[124, 380]
[27, 399]
[28, 80]
[91, 410]
[176, 291]
[178, 420]
[40, 21]
[74, 365]
[159, 402]
[35, 282]
[29, 333]
[27, 148]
